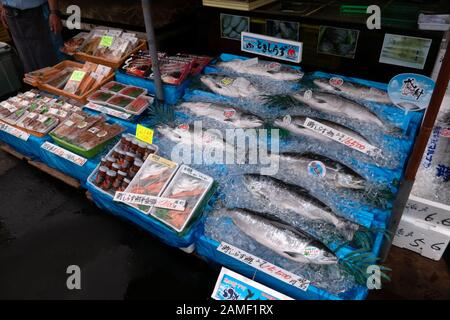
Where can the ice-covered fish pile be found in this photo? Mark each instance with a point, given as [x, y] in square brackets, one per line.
[337, 147]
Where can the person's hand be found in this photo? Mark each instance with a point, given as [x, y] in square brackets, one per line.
[55, 23]
[3, 17]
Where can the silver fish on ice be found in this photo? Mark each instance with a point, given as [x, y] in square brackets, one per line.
[295, 125]
[297, 200]
[234, 87]
[284, 240]
[223, 113]
[340, 106]
[354, 90]
[267, 69]
[336, 174]
[186, 134]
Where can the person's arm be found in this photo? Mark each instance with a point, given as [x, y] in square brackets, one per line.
[3, 16]
[54, 18]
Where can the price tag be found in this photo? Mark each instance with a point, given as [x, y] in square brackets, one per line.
[144, 134]
[63, 153]
[170, 204]
[264, 266]
[108, 111]
[14, 131]
[106, 41]
[194, 173]
[340, 137]
[77, 75]
[146, 200]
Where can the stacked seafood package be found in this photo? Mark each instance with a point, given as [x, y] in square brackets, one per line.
[311, 185]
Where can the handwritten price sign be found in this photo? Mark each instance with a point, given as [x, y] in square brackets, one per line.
[340, 137]
[264, 266]
[146, 200]
[144, 134]
[14, 131]
[63, 153]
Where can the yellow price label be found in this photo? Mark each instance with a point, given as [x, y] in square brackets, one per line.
[77, 75]
[144, 134]
[106, 41]
[227, 81]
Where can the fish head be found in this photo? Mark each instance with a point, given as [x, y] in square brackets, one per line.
[255, 185]
[318, 254]
[324, 84]
[170, 133]
[349, 179]
[251, 121]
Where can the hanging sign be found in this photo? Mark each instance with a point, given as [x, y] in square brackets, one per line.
[411, 91]
[271, 47]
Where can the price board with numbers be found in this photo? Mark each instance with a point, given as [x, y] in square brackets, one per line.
[424, 228]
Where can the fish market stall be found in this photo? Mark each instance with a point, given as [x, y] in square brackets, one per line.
[289, 175]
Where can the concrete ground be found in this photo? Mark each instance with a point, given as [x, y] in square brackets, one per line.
[46, 226]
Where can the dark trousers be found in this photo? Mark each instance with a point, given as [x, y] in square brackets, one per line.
[31, 35]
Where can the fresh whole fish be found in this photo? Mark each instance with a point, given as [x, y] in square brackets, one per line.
[272, 70]
[339, 106]
[186, 134]
[336, 174]
[222, 113]
[234, 87]
[354, 90]
[284, 240]
[295, 199]
[295, 125]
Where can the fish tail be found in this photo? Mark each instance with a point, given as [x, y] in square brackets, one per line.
[161, 114]
[364, 238]
[378, 197]
[394, 131]
[357, 263]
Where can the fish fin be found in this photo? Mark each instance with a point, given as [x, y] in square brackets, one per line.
[161, 113]
[279, 101]
[394, 131]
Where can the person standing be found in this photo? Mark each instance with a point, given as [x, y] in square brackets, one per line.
[30, 30]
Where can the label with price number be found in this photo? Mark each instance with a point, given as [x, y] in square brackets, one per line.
[264, 266]
[429, 211]
[424, 228]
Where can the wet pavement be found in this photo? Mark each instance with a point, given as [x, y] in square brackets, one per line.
[46, 226]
